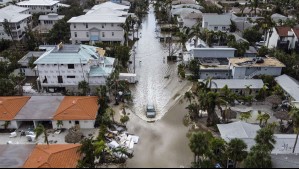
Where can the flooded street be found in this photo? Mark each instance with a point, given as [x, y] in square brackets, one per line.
[151, 69]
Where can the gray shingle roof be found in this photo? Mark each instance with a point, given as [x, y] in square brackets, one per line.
[215, 19]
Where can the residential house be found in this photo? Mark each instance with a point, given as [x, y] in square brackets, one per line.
[216, 22]
[38, 110]
[48, 21]
[15, 155]
[40, 6]
[277, 18]
[238, 86]
[245, 22]
[177, 2]
[283, 37]
[54, 156]
[290, 87]
[18, 20]
[103, 23]
[62, 67]
[247, 132]
[216, 68]
[247, 68]
[25, 63]
[9, 108]
[187, 15]
[81, 111]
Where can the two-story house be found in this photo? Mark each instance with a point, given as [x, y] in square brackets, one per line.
[281, 37]
[18, 19]
[247, 68]
[216, 22]
[48, 21]
[103, 23]
[62, 67]
[40, 6]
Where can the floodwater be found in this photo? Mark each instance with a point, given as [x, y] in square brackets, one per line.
[151, 68]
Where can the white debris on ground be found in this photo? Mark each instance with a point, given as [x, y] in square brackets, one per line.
[27, 88]
[122, 139]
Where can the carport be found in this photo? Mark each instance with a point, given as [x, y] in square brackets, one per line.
[39, 109]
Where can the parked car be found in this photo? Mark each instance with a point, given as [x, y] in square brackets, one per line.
[150, 111]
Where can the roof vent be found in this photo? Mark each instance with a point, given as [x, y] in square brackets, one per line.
[74, 101]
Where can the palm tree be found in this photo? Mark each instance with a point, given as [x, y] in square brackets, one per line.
[99, 149]
[237, 150]
[59, 124]
[265, 137]
[249, 91]
[39, 130]
[124, 119]
[111, 112]
[199, 145]
[87, 151]
[294, 113]
[193, 110]
[189, 96]
[213, 100]
[245, 116]
[196, 32]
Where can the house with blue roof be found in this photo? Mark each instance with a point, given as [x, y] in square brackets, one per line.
[62, 67]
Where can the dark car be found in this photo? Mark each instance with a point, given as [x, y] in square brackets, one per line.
[150, 111]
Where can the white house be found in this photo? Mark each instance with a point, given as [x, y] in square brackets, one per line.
[247, 132]
[238, 86]
[187, 17]
[283, 37]
[18, 19]
[290, 87]
[103, 23]
[216, 22]
[64, 66]
[24, 62]
[73, 110]
[247, 68]
[40, 6]
[48, 21]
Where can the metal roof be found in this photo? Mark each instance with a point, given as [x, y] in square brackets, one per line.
[237, 83]
[51, 17]
[100, 71]
[40, 108]
[216, 19]
[38, 2]
[290, 85]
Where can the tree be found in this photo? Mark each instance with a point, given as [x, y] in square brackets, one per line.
[199, 145]
[294, 113]
[122, 53]
[237, 150]
[59, 124]
[6, 124]
[263, 51]
[189, 96]
[59, 33]
[252, 35]
[245, 116]
[39, 130]
[124, 119]
[260, 154]
[84, 87]
[99, 149]
[241, 48]
[111, 112]
[87, 151]
[194, 67]
[218, 149]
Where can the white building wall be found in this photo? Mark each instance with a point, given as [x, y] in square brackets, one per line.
[46, 25]
[105, 31]
[241, 72]
[13, 125]
[52, 71]
[17, 30]
[28, 72]
[272, 42]
[215, 75]
[222, 28]
[41, 9]
[84, 124]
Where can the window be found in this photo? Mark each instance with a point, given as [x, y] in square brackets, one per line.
[59, 79]
[112, 25]
[215, 28]
[87, 34]
[71, 66]
[75, 26]
[112, 33]
[86, 25]
[75, 34]
[71, 77]
[223, 28]
[103, 34]
[70, 122]
[103, 26]
[77, 122]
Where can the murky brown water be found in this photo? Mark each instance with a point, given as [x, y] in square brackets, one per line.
[152, 86]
